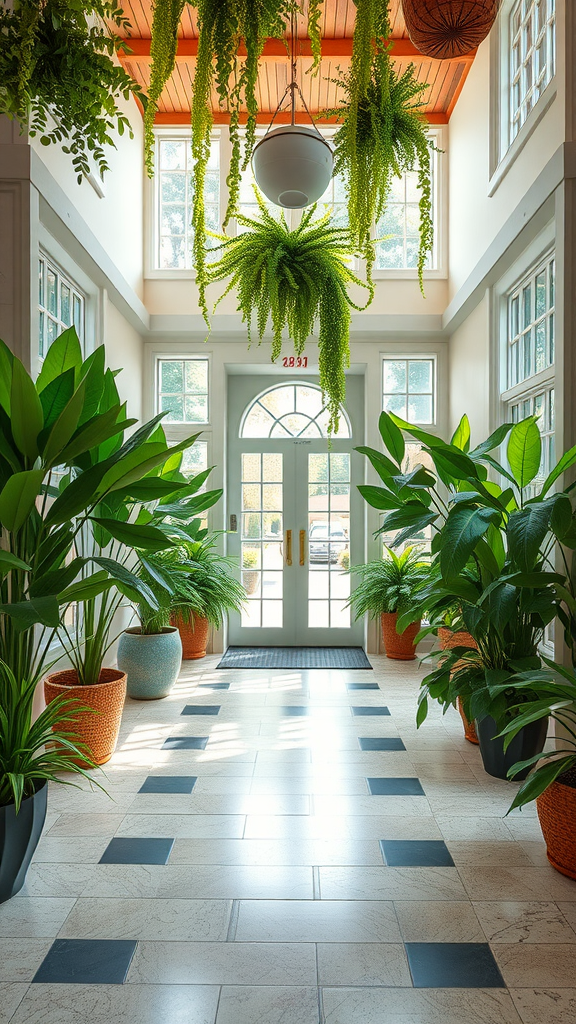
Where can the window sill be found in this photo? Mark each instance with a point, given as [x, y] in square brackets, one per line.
[532, 385]
[408, 275]
[170, 275]
[525, 133]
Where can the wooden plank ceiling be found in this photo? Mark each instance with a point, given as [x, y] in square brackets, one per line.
[445, 78]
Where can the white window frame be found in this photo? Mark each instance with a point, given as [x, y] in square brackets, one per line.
[547, 35]
[439, 268]
[186, 424]
[75, 293]
[537, 382]
[407, 356]
[504, 150]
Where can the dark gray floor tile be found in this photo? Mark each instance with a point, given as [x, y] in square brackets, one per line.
[423, 853]
[128, 850]
[185, 743]
[395, 787]
[453, 965]
[370, 711]
[168, 784]
[201, 709]
[86, 962]
[381, 743]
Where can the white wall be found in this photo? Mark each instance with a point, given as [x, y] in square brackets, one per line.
[125, 351]
[469, 372]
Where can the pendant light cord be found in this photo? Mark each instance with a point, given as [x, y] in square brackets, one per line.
[293, 86]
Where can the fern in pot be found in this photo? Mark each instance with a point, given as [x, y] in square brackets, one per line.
[390, 588]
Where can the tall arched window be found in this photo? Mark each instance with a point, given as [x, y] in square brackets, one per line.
[291, 410]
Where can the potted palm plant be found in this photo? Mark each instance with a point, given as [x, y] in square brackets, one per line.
[390, 588]
[210, 590]
[29, 759]
[492, 552]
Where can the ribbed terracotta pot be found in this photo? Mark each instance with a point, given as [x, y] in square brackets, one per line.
[194, 636]
[398, 646]
[98, 731]
[557, 813]
[448, 639]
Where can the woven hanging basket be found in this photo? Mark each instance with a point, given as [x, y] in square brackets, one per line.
[557, 812]
[445, 29]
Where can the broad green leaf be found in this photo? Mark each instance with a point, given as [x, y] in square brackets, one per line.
[461, 436]
[55, 398]
[133, 466]
[524, 450]
[453, 463]
[492, 442]
[527, 529]
[6, 361]
[538, 781]
[381, 463]
[432, 440]
[52, 582]
[561, 520]
[64, 354]
[86, 590]
[463, 529]
[26, 413]
[379, 497]
[121, 574]
[96, 431]
[567, 460]
[92, 374]
[154, 488]
[148, 538]
[392, 437]
[43, 610]
[18, 497]
[8, 562]
[63, 429]
[77, 496]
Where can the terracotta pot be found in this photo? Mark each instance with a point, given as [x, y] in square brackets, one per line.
[398, 646]
[557, 812]
[447, 29]
[469, 727]
[194, 636]
[98, 731]
[448, 639]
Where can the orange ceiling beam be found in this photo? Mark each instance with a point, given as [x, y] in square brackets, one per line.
[177, 118]
[139, 49]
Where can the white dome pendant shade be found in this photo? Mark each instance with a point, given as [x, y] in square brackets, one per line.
[293, 166]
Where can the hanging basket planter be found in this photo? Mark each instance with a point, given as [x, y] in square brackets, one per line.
[446, 29]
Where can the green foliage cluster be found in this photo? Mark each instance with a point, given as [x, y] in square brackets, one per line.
[58, 76]
[292, 279]
[201, 581]
[383, 133]
[493, 555]
[28, 754]
[391, 584]
[165, 23]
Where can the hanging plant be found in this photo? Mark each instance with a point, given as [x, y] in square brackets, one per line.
[383, 133]
[293, 279]
[58, 76]
[163, 46]
[448, 28]
[314, 32]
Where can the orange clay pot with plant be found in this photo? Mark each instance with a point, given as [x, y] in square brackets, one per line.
[388, 589]
[97, 726]
[448, 639]
[193, 631]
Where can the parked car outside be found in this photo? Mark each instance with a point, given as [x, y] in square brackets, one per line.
[327, 541]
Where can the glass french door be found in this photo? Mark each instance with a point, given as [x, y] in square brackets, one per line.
[299, 525]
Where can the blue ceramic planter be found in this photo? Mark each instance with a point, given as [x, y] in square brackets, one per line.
[151, 662]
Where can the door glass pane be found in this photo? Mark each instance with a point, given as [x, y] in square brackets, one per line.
[262, 554]
[328, 540]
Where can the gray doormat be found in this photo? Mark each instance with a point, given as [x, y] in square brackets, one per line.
[295, 657]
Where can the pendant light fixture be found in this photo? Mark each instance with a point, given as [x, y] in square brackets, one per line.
[293, 164]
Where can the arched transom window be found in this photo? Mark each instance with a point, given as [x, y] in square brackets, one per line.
[291, 410]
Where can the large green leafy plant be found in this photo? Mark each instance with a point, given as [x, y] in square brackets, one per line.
[492, 547]
[59, 78]
[293, 279]
[383, 134]
[66, 467]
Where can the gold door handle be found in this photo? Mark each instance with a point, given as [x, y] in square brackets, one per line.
[302, 547]
[288, 547]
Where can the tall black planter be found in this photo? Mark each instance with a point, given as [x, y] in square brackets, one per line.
[497, 762]
[19, 837]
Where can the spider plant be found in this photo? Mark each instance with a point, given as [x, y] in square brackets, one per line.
[293, 279]
[390, 584]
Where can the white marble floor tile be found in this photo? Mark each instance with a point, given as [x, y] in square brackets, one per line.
[224, 963]
[418, 1006]
[223, 803]
[80, 824]
[485, 854]
[269, 852]
[536, 965]
[525, 923]
[21, 958]
[268, 1005]
[33, 916]
[188, 826]
[158, 918]
[10, 996]
[388, 883]
[202, 881]
[430, 921]
[341, 827]
[545, 1005]
[66, 850]
[522, 884]
[360, 963]
[118, 1004]
[317, 921]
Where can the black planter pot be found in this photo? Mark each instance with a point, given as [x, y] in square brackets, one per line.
[497, 762]
[19, 837]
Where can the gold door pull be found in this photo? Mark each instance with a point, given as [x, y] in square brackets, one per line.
[288, 547]
[302, 547]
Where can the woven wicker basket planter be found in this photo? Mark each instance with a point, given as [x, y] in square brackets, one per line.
[194, 636]
[447, 640]
[557, 813]
[98, 731]
[398, 646]
[446, 29]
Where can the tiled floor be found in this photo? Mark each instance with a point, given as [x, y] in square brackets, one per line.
[267, 859]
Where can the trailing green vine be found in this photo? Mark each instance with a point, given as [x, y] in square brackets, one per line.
[293, 279]
[223, 27]
[314, 33]
[165, 23]
[58, 77]
[383, 133]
